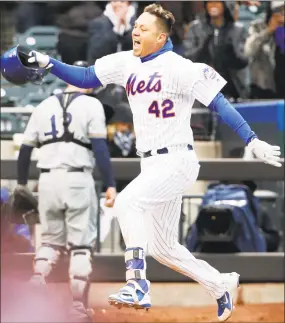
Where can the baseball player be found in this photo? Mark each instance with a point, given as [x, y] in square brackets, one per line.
[69, 128]
[162, 87]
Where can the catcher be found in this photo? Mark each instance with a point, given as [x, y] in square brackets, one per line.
[68, 128]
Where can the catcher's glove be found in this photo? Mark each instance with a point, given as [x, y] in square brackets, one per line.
[24, 206]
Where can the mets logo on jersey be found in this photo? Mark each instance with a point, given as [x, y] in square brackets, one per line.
[152, 85]
[209, 73]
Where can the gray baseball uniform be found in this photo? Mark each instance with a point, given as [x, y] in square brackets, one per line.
[67, 200]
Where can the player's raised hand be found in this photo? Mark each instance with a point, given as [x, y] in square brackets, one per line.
[111, 194]
[41, 59]
[267, 153]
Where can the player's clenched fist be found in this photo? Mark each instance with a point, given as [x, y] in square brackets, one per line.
[265, 152]
[111, 194]
[41, 59]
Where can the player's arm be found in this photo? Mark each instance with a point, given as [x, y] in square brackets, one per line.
[232, 118]
[262, 150]
[207, 90]
[24, 158]
[108, 69]
[82, 77]
[97, 133]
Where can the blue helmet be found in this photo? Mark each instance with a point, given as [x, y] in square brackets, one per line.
[16, 69]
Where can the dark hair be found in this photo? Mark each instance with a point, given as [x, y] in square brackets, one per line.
[228, 14]
[165, 17]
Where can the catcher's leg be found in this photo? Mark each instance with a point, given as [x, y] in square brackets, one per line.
[82, 205]
[53, 235]
[80, 268]
[45, 259]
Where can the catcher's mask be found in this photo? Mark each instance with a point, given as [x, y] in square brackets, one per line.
[16, 69]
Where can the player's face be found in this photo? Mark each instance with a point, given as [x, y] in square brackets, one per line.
[147, 36]
[123, 127]
[215, 8]
[120, 7]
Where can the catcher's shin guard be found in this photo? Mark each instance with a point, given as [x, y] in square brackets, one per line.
[46, 258]
[80, 268]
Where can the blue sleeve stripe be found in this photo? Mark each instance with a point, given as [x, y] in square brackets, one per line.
[82, 77]
[232, 118]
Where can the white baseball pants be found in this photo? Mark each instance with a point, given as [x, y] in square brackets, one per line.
[149, 209]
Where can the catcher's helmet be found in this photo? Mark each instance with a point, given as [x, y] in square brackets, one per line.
[16, 69]
[81, 63]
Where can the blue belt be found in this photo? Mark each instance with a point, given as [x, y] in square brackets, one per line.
[161, 151]
[69, 170]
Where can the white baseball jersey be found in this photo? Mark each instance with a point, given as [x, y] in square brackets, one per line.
[86, 119]
[161, 94]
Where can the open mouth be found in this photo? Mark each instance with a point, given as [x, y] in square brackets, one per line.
[136, 44]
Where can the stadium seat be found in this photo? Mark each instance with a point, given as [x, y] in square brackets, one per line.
[56, 87]
[23, 120]
[41, 38]
[18, 93]
[9, 125]
[49, 79]
[246, 16]
[6, 101]
[33, 99]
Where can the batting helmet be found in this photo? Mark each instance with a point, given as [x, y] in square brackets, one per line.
[16, 69]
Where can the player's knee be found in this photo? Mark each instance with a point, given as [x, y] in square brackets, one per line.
[80, 263]
[152, 250]
[46, 257]
[159, 253]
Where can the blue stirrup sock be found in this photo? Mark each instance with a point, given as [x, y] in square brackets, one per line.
[136, 267]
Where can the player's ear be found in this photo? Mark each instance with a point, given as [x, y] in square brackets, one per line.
[162, 38]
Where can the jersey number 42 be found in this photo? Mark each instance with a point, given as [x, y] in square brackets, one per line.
[164, 111]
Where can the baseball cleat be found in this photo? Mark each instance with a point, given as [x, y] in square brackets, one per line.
[131, 296]
[226, 302]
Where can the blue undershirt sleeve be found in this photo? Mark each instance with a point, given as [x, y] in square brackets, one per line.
[82, 77]
[102, 155]
[232, 118]
[23, 164]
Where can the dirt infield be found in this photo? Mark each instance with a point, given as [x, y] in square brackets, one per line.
[21, 302]
[243, 314]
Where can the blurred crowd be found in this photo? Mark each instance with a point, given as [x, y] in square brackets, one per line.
[242, 40]
[250, 57]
